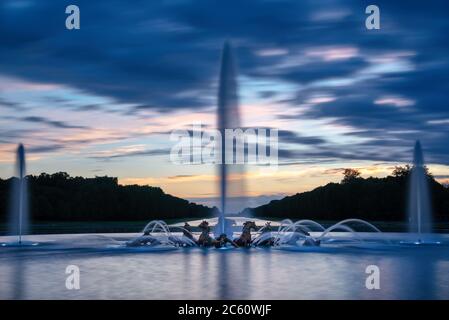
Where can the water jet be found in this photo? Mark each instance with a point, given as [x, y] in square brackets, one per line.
[18, 211]
[419, 211]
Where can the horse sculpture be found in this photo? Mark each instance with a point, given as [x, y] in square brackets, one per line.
[205, 240]
[245, 238]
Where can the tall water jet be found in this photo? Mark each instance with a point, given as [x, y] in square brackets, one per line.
[419, 212]
[228, 117]
[18, 212]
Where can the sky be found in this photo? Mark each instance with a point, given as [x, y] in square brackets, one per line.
[102, 100]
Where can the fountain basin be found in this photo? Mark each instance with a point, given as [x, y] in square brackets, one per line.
[110, 270]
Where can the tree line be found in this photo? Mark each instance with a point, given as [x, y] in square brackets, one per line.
[60, 197]
[373, 199]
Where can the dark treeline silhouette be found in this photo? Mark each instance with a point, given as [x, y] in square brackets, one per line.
[373, 199]
[59, 197]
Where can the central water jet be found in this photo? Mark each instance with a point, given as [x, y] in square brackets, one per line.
[228, 117]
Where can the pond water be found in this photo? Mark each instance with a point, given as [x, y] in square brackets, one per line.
[109, 270]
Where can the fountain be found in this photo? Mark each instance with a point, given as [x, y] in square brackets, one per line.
[419, 212]
[289, 233]
[228, 118]
[18, 211]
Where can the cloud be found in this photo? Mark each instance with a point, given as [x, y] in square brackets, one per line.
[394, 101]
[138, 153]
[11, 105]
[389, 86]
[51, 123]
[181, 176]
[45, 149]
[286, 136]
[332, 53]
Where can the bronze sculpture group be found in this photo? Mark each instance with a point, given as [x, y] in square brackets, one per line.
[206, 240]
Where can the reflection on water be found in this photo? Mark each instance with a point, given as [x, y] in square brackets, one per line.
[256, 273]
[18, 281]
[222, 274]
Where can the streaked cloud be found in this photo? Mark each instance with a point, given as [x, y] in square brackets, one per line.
[109, 94]
[395, 101]
[332, 53]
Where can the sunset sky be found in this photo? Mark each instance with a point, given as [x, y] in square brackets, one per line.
[102, 100]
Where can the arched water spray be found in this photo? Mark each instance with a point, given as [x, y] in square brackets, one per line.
[300, 233]
[161, 232]
[342, 223]
[18, 211]
[301, 224]
[289, 232]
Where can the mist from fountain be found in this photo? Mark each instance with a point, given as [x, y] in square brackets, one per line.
[18, 211]
[419, 212]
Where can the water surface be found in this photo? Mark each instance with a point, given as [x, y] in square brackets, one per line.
[111, 271]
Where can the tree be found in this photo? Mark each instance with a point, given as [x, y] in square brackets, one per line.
[350, 175]
[402, 171]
